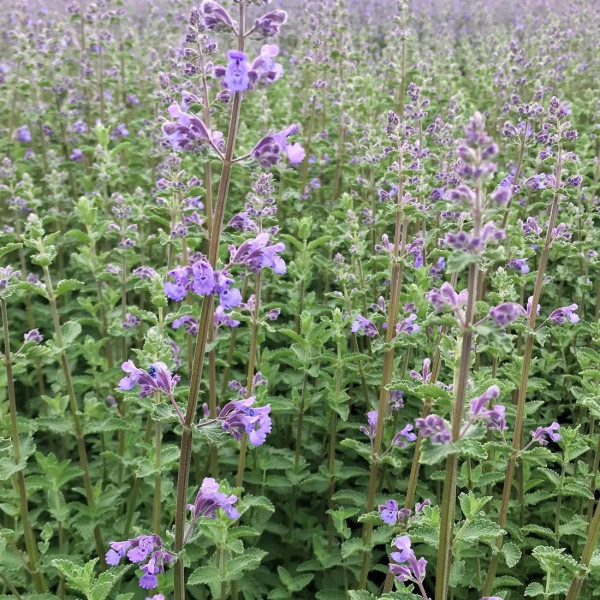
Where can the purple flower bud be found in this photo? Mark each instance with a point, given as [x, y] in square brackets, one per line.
[270, 24]
[505, 314]
[435, 427]
[560, 315]
[214, 16]
[34, 336]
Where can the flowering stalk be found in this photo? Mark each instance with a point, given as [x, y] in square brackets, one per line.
[204, 324]
[527, 353]
[458, 408]
[250, 379]
[30, 544]
[400, 236]
[157, 477]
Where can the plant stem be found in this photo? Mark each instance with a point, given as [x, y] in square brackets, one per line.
[78, 429]
[400, 235]
[30, 544]
[157, 478]
[203, 333]
[522, 392]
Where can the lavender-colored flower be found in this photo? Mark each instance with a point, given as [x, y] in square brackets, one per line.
[76, 155]
[405, 433]
[273, 314]
[419, 506]
[478, 404]
[264, 68]
[240, 416]
[364, 325]
[396, 400]
[435, 427]
[519, 264]
[176, 291]
[268, 151]
[191, 325]
[270, 24]
[144, 272]
[157, 378]
[222, 318]
[214, 16]
[34, 337]
[539, 435]
[22, 134]
[203, 282]
[209, 500]
[236, 74]
[120, 131]
[407, 325]
[506, 313]
[187, 131]
[389, 512]
[131, 321]
[560, 315]
[372, 416]
[425, 375]
[415, 570]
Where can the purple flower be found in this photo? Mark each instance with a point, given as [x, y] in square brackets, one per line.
[131, 321]
[76, 155]
[372, 417]
[506, 313]
[435, 427]
[478, 404]
[419, 506]
[364, 325]
[22, 134]
[256, 255]
[191, 325]
[425, 376]
[209, 500]
[221, 317]
[268, 151]
[176, 291]
[157, 378]
[34, 336]
[203, 282]
[396, 400]
[539, 435]
[215, 16]
[408, 325]
[119, 131]
[389, 512]
[236, 73]
[519, 264]
[560, 315]
[270, 24]
[264, 68]
[406, 434]
[187, 132]
[240, 416]
[415, 570]
[529, 306]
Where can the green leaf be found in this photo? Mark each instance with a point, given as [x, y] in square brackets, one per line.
[512, 554]
[360, 595]
[206, 575]
[67, 285]
[245, 562]
[9, 248]
[480, 530]
[458, 261]
[70, 331]
[534, 589]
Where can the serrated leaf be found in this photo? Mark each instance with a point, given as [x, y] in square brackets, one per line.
[512, 553]
[67, 285]
[9, 248]
[534, 589]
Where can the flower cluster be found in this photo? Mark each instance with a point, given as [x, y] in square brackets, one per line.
[414, 569]
[143, 549]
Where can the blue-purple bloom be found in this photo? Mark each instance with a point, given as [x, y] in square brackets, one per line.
[215, 17]
[435, 427]
[240, 416]
[415, 570]
[236, 74]
[539, 435]
[34, 337]
[157, 378]
[506, 313]
[209, 500]
[364, 325]
[405, 433]
[561, 315]
[270, 24]
[22, 134]
[269, 150]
